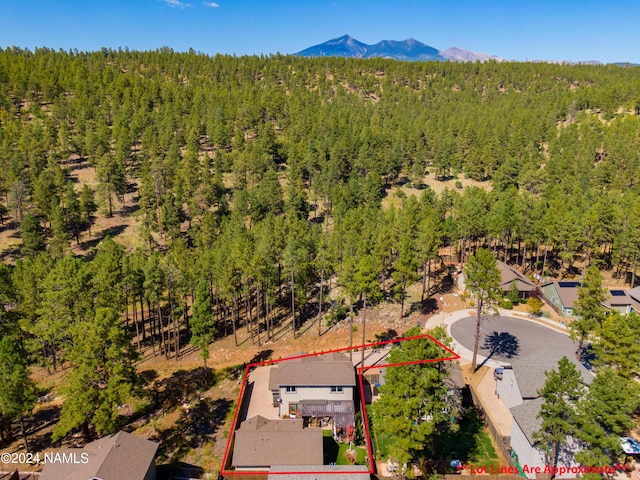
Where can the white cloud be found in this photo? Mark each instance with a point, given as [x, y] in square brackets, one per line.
[176, 3]
[210, 4]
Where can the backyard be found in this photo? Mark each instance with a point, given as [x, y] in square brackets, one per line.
[471, 444]
[336, 453]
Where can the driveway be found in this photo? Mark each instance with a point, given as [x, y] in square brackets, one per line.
[507, 338]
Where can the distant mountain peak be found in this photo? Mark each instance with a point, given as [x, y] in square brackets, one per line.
[344, 46]
[347, 46]
[458, 54]
[408, 50]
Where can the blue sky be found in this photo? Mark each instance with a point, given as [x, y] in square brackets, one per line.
[511, 29]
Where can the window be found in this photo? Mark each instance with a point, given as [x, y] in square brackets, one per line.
[290, 389]
[336, 389]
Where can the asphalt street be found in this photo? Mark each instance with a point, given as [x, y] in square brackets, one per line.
[508, 338]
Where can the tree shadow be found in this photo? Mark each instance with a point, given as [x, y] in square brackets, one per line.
[261, 356]
[37, 428]
[330, 450]
[464, 445]
[198, 424]
[178, 470]
[501, 344]
[390, 334]
[111, 231]
[172, 391]
[148, 376]
[426, 307]
[11, 225]
[129, 210]
[11, 253]
[168, 393]
[586, 356]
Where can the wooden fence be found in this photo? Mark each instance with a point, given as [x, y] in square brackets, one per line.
[503, 441]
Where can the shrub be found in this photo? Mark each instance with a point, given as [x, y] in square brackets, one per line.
[351, 456]
[514, 294]
[506, 304]
[534, 306]
[336, 315]
[458, 184]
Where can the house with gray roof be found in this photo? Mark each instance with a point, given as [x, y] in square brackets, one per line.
[509, 276]
[316, 388]
[623, 301]
[121, 456]
[328, 472]
[560, 296]
[525, 376]
[308, 392]
[518, 389]
[261, 443]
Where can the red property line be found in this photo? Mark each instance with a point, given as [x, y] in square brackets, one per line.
[360, 371]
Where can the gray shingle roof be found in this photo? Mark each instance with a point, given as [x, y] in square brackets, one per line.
[530, 371]
[121, 456]
[318, 371]
[332, 472]
[622, 298]
[526, 416]
[260, 442]
[567, 294]
[509, 274]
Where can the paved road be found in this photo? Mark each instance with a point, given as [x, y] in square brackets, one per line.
[510, 338]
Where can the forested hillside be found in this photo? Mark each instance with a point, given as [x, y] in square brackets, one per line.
[257, 183]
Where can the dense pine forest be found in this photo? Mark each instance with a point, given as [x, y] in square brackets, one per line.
[258, 187]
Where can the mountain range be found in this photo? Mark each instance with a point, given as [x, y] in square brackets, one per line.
[408, 50]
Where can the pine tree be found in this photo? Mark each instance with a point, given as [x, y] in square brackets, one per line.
[560, 393]
[202, 322]
[103, 376]
[32, 236]
[616, 344]
[483, 284]
[604, 415]
[111, 180]
[73, 211]
[17, 390]
[59, 244]
[87, 205]
[413, 407]
[588, 307]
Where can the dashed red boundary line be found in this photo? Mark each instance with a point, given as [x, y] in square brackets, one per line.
[360, 370]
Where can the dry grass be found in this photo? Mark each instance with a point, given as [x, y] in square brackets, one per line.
[394, 194]
[123, 225]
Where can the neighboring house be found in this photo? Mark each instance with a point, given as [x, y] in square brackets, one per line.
[525, 424]
[622, 301]
[518, 389]
[261, 443]
[122, 456]
[560, 296]
[508, 277]
[318, 389]
[634, 293]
